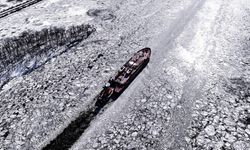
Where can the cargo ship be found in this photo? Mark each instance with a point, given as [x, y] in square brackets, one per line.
[123, 78]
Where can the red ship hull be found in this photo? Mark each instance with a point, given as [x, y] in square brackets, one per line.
[123, 78]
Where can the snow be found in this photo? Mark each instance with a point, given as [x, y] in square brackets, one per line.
[191, 68]
[4, 4]
[45, 14]
[76, 11]
[183, 98]
[210, 130]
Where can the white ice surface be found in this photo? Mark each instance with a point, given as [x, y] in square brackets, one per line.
[46, 13]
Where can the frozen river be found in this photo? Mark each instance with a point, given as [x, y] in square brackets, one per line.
[194, 93]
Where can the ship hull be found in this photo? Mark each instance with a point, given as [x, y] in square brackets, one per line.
[124, 77]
